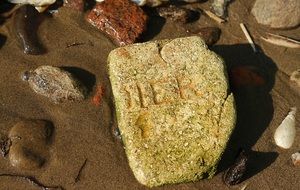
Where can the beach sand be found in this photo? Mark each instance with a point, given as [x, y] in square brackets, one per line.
[84, 131]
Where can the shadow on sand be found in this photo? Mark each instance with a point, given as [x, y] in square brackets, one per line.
[254, 107]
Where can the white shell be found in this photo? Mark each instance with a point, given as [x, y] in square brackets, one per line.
[285, 133]
[296, 159]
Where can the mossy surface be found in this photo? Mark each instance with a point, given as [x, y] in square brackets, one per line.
[173, 109]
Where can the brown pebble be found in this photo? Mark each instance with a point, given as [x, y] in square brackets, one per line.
[177, 14]
[77, 5]
[23, 158]
[122, 20]
[30, 143]
[209, 34]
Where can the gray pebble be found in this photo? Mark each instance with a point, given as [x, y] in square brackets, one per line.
[56, 84]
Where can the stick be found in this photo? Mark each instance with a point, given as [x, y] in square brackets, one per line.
[213, 16]
[75, 44]
[33, 181]
[80, 170]
[281, 41]
[244, 29]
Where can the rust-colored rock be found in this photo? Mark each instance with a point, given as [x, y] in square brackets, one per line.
[75, 4]
[122, 20]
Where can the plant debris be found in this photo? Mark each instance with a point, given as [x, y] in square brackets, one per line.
[214, 17]
[75, 44]
[33, 181]
[281, 41]
[80, 170]
[244, 29]
[236, 172]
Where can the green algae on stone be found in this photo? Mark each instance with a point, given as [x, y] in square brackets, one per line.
[173, 107]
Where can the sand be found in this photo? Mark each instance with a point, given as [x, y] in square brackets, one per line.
[85, 131]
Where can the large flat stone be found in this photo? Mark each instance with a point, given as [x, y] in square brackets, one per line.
[174, 109]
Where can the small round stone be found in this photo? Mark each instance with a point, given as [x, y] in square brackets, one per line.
[25, 76]
[24, 158]
[30, 140]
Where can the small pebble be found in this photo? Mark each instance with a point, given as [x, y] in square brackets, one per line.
[5, 144]
[295, 77]
[296, 159]
[30, 140]
[219, 7]
[177, 14]
[56, 84]
[236, 172]
[209, 34]
[77, 5]
[285, 133]
[23, 158]
[122, 20]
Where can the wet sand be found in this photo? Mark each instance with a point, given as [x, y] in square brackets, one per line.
[84, 131]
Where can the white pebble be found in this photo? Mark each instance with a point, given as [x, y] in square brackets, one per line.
[285, 133]
[296, 159]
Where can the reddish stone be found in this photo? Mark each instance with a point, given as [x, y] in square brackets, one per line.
[245, 76]
[75, 4]
[122, 20]
[97, 98]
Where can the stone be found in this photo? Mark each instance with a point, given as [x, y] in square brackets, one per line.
[77, 5]
[277, 13]
[30, 141]
[209, 34]
[295, 77]
[121, 20]
[175, 13]
[296, 159]
[56, 84]
[174, 109]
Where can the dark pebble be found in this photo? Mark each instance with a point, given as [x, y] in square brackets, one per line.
[177, 14]
[236, 172]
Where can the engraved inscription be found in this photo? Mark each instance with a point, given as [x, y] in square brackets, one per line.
[165, 91]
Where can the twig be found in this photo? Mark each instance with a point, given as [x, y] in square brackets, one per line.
[244, 186]
[33, 181]
[75, 44]
[281, 41]
[244, 29]
[213, 16]
[80, 170]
